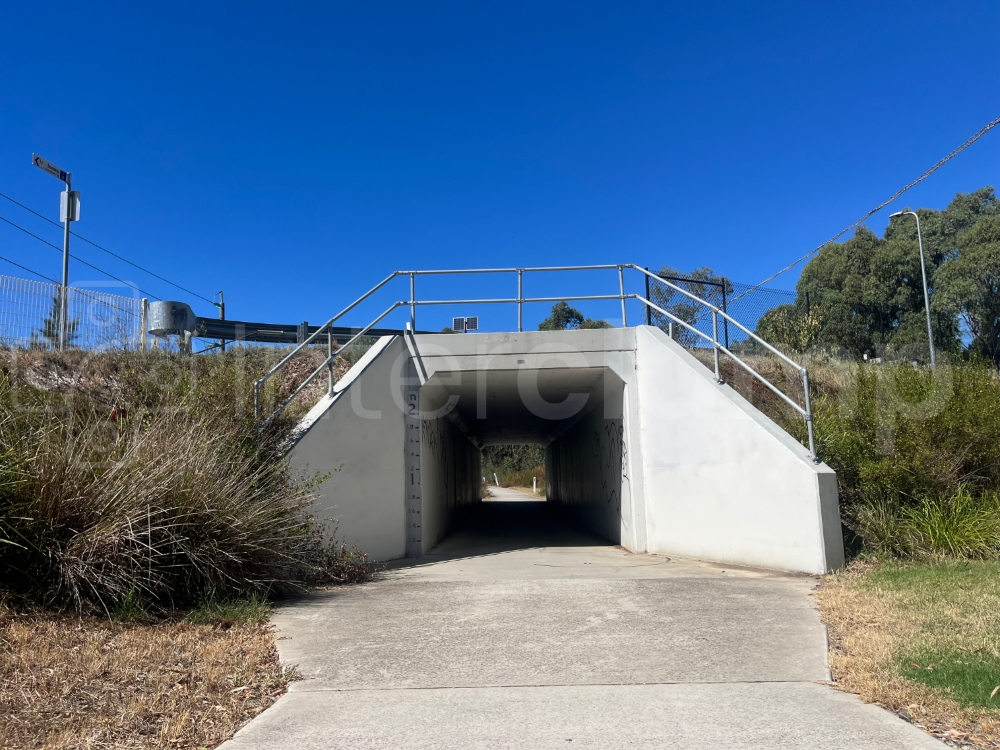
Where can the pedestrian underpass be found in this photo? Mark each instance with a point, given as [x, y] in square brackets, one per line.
[644, 447]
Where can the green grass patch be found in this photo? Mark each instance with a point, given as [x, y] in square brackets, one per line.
[955, 608]
[921, 636]
[252, 610]
[969, 679]
[131, 609]
[950, 579]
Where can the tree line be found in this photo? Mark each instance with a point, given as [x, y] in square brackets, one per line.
[866, 294]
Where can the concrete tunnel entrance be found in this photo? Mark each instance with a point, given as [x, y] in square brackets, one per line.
[643, 448]
[575, 414]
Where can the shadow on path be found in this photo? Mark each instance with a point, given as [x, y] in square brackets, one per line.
[492, 528]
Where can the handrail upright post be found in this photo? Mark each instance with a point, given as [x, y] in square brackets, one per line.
[725, 321]
[715, 343]
[809, 416]
[520, 300]
[649, 310]
[329, 357]
[413, 298]
[621, 290]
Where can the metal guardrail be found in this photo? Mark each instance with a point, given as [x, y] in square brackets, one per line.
[717, 346]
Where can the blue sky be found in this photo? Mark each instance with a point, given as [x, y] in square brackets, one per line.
[295, 154]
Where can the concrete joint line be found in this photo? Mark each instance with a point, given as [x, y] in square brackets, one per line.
[543, 685]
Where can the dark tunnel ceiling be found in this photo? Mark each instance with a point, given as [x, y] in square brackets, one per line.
[508, 418]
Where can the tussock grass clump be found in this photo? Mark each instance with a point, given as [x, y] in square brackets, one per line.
[133, 481]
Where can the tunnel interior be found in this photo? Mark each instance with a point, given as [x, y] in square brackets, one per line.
[576, 414]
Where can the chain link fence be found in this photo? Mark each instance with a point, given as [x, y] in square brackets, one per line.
[741, 301]
[30, 316]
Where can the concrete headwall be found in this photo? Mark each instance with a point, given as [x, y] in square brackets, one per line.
[356, 438]
[722, 481]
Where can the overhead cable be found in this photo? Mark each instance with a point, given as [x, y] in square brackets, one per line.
[109, 252]
[875, 210]
[78, 260]
[25, 268]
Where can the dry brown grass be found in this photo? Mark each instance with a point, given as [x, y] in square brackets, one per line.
[88, 683]
[877, 614]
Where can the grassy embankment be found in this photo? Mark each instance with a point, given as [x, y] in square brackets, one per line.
[143, 527]
[915, 618]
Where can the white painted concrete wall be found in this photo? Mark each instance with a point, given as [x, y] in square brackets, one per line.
[588, 468]
[450, 471]
[357, 438]
[722, 481]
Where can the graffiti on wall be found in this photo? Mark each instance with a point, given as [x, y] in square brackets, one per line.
[611, 452]
[435, 435]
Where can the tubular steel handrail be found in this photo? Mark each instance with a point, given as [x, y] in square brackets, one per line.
[413, 303]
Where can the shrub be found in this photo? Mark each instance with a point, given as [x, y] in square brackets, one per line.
[136, 480]
[515, 465]
[916, 451]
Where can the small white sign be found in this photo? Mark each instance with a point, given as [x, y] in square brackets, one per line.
[47, 166]
[69, 205]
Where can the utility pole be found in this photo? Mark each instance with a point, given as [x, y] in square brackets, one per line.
[221, 304]
[69, 210]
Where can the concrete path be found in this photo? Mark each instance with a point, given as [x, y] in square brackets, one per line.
[522, 633]
[507, 495]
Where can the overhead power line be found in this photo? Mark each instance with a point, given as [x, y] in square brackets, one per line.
[875, 210]
[25, 268]
[78, 260]
[109, 252]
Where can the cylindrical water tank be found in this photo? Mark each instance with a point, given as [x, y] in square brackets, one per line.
[168, 317]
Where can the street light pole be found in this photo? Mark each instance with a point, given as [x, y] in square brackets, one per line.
[923, 273]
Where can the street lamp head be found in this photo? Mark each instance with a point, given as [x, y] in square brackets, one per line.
[893, 216]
